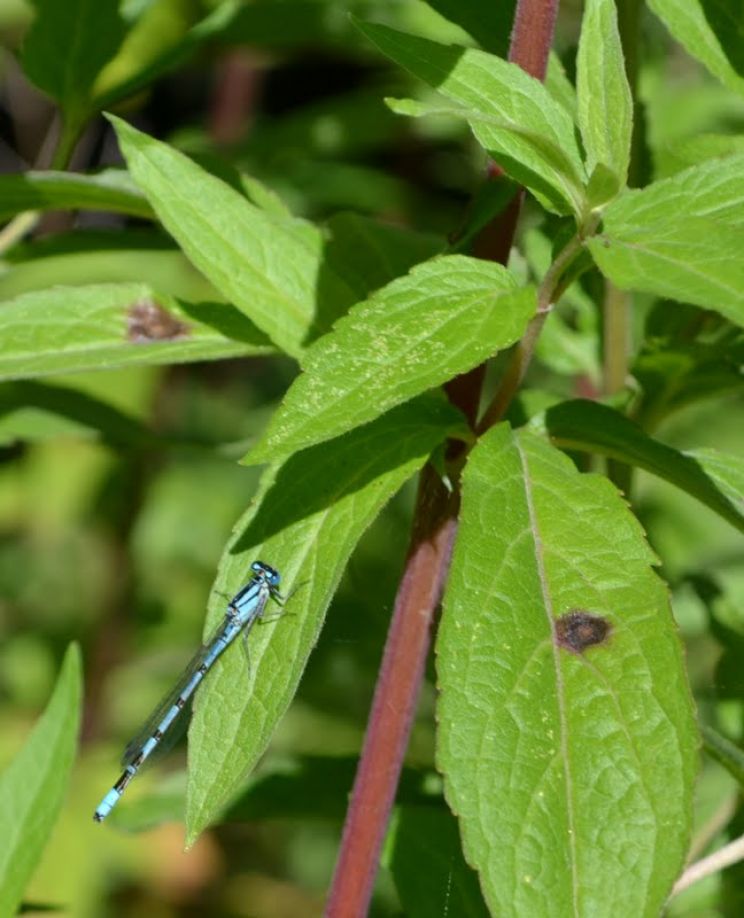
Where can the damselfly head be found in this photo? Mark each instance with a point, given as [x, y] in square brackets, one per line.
[266, 573]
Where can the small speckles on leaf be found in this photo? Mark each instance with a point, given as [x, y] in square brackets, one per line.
[148, 321]
[578, 629]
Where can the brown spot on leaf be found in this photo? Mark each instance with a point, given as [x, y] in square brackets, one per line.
[578, 629]
[148, 321]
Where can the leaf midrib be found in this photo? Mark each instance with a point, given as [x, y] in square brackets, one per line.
[560, 693]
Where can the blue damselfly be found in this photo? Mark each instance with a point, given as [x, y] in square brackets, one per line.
[243, 611]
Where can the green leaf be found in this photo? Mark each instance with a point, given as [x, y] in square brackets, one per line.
[33, 786]
[271, 268]
[560, 87]
[490, 24]
[680, 237]
[306, 787]
[597, 428]
[343, 126]
[698, 149]
[110, 190]
[567, 350]
[82, 258]
[37, 411]
[691, 259]
[369, 254]
[726, 470]
[70, 329]
[605, 104]
[602, 187]
[67, 46]
[430, 873]
[162, 38]
[673, 377]
[304, 23]
[309, 515]
[513, 116]
[263, 196]
[489, 200]
[329, 185]
[316, 787]
[482, 127]
[713, 190]
[567, 737]
[697, 28]
[444, 318]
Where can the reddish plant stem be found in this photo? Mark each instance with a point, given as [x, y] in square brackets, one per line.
[394, 703]
[532, 35]
[551, 288]
[434, 527]
[238, 83]
[495, 239]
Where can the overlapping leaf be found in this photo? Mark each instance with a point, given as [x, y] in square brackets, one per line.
[430, 873]
[718, 44]
[513, 115]
[445, 317]
[605, 104]
[713, 190]
[67, 46]
[109, 190]
[369, 254]
[490, 24]
[700, 148]
[713, 478]
[567, 736]
[271, 268]
[560, 87]
[163, 36]
[308, 517]
[681, 238]
[672, 377]
[726, 470]
[81, 259]
[691, 259]
[71, 329]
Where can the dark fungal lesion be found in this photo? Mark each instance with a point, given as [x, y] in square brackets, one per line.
[147, 321]
[579, 629]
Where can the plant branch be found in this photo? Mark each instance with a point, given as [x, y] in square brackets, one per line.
[616, 335]
[716, 824]
[69, 135]
[433, 532]
[617, 303]
[550, 290]
[724, 857]
[27, 220]
[17, 228]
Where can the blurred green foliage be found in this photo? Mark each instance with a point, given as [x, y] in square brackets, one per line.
[116, 547]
